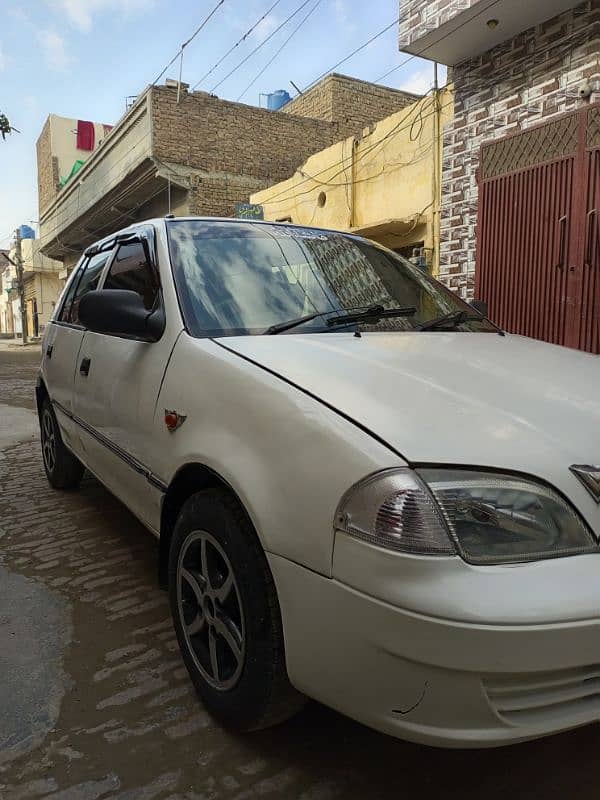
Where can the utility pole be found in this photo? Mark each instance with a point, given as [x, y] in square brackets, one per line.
[21, 284]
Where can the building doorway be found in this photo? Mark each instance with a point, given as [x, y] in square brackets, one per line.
[538, 234]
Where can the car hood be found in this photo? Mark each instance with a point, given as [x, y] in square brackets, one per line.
[448, 397]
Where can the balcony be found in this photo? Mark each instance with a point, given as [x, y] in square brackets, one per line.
[104, 193]
[451, 32]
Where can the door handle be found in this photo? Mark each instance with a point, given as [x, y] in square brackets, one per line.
[49, 350]
[590, 238]
[84, 367]
[562, 241]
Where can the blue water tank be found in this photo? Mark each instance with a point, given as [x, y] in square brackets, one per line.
[277, 100]
[27, 232]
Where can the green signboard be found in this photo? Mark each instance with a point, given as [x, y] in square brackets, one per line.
[249, 211]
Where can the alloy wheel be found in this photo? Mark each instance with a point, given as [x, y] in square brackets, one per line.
[210, 610]
[48, 441]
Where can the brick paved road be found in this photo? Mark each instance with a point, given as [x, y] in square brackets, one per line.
[100, 705]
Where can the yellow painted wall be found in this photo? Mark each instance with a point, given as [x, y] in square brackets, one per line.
[386, 176]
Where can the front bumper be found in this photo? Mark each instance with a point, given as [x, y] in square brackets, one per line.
[434, 680]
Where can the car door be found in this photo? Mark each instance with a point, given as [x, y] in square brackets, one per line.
[62, 342]
[117, 382]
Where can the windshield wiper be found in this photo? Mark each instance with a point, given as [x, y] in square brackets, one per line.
[372, 314]
[450, 321]
[356, 314]
[292, 323]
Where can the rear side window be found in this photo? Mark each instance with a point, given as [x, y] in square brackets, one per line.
[87, 282]
[131, 271]
[65, 310]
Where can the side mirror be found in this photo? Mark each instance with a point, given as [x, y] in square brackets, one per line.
[481, 306]
[121, 313]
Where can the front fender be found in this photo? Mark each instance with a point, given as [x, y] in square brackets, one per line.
[288, 457]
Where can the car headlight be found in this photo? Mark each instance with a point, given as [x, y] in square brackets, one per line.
[487, 518]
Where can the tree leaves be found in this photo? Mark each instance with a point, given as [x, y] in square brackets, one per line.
[5, 126]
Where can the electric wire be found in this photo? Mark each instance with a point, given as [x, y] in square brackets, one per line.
[420, 119]
[394, 69]
[277, 52]
[295, 196]
[237, 44]
[262, 44]
[126, 154]
[282, 197]
[121, 216]
[353, 53]
[404, 124]
[467, 83]
[106, 206]
[423, 153]
[396, 130]
[192, 37]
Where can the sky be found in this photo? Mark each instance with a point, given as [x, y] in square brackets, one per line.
[82, 58]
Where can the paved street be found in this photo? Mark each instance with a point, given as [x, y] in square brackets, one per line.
[95, 702]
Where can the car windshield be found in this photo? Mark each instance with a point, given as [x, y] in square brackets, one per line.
[237, 279]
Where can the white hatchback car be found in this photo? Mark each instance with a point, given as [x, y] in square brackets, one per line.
[365, 492]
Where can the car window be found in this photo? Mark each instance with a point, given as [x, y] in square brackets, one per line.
[65, 309]
[131, 271]
[87, 282]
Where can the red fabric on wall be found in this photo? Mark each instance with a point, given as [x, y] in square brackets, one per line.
[85, 135]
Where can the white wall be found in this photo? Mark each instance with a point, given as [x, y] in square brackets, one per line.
[17, 316]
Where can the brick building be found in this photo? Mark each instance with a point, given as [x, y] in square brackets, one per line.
[349, 103]
[195, 154]
[518, 70]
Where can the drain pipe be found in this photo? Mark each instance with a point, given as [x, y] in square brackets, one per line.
[437, 177]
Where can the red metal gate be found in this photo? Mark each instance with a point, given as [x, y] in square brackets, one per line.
[538, 236]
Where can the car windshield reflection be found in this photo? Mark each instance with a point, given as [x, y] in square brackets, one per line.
[244, 278]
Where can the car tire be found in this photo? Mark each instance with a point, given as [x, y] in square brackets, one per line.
[63, 469]
[226, 615]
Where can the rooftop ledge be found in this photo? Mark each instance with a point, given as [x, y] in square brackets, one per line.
[468, 34]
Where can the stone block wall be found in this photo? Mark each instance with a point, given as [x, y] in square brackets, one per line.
[350, 104]
[48, 177]
[521, 82]
[420, 17]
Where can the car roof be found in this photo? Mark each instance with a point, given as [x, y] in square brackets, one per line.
[237, 220]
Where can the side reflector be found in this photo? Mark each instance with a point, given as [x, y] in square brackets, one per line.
[173, 420]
